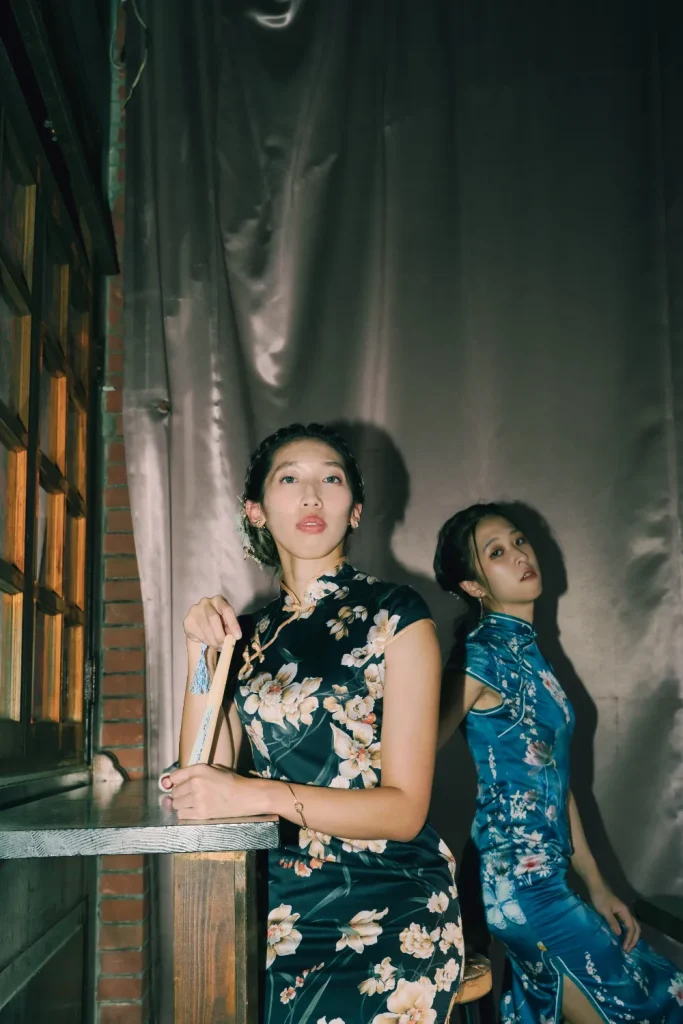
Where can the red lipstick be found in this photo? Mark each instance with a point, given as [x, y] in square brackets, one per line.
[311, 524]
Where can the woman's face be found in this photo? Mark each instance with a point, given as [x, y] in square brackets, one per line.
[507, 570]
[307, 502]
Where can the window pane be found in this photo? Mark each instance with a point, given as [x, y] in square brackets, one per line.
[11, 345]
[12, 505]
[16, 206]
[4, 492]
[50, 523]
[72, 696]
[41, 534]
[74, 562]
[79, 330]
[10, 655]
[76, 449]
[47, 667]
[55, 281]
[45, 399]
[52, 416]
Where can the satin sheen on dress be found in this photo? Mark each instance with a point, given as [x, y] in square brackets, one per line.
[358, 931]
[521, 829]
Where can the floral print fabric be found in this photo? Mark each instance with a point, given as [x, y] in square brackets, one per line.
[521, 828]
[358, 931]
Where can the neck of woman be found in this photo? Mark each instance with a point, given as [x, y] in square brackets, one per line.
[297, 572]
[520, 611]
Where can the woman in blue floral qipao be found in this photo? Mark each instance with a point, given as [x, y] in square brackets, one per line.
[570, 961]
[338, 694]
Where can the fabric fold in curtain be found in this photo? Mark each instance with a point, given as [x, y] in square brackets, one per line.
[456, 228]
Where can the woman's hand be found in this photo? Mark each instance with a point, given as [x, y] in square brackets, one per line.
[615, 911]
[203, 791]
[210, 621]
[609, 906]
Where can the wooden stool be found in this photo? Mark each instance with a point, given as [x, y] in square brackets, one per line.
[476, 983]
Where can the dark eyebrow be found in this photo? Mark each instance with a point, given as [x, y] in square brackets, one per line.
[288, 465]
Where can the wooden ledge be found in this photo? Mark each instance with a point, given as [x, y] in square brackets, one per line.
[122, 818]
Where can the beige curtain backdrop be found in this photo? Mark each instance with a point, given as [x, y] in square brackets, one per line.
[456, 226]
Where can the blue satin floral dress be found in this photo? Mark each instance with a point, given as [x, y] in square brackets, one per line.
[522, 832]
[358, 931]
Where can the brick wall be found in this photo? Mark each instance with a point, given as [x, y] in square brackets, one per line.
[123, 934]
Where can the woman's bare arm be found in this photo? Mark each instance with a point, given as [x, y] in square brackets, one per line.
[459, 694]
[616, 913]
[397, 809]
[582, 859]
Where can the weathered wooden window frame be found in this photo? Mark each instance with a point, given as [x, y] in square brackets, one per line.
[43, 594]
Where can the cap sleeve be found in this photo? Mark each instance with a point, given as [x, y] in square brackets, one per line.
[480, 664]
[404, 608]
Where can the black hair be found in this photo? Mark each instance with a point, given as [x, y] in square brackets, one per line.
[259, 540]
[456, 560]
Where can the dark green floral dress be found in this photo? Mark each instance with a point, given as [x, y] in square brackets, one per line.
[359, 931]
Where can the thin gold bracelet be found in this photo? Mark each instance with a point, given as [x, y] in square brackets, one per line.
[298, 806]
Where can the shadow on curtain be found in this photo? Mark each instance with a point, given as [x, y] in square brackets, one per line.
[456, 227]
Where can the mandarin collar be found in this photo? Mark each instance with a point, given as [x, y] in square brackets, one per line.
[508, 627]
[317, 588]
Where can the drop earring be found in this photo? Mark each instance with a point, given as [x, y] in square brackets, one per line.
[481, 608]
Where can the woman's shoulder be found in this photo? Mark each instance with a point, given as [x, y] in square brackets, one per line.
[385, 596]
[480, 656]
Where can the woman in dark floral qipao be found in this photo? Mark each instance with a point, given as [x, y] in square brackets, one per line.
[338, 693]
[570, 961]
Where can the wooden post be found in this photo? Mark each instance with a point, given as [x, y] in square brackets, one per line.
[215, 938]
